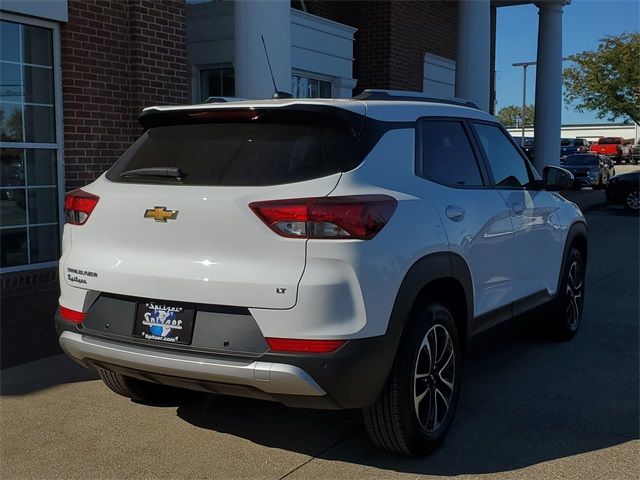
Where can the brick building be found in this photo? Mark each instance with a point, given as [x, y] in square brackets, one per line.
[76, 74]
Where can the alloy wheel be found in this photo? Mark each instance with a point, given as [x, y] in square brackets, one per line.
[633, 200]
[574, 294]
[434, 378]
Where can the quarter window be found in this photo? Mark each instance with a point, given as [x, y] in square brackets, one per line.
[29, 223]
[447, 156]
[508, 167]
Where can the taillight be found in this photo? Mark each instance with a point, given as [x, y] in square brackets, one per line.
[71, 315]
[303, 346]
[78, 205]
[354, 217]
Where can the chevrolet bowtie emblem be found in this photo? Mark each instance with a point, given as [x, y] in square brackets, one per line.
[161, 214]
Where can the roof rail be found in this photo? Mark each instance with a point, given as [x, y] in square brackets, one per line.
[402, 95]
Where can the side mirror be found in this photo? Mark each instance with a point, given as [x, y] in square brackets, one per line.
[556, 178]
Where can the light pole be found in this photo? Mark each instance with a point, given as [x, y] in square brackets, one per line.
[524, 66]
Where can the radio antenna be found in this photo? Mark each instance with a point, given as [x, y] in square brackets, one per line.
[277, 93]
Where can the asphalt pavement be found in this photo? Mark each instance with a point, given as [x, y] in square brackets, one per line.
[529, 408]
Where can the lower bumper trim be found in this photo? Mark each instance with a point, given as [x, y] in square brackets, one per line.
[271, 378]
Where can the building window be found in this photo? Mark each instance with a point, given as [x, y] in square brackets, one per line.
[217, 82]
[307, 87]
[29, 148]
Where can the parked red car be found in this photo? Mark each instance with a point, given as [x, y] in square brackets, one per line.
[614, 147]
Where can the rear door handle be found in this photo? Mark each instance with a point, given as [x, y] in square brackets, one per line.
[517, 208]
[454, 213]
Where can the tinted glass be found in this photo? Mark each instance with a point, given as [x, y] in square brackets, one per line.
[305, 87]
[37, 45]
[11, 123]
[11, 167]
[239, 154]
[41, 167]
[218, 82]
[14, 247]
[10, 82]
[509, 168]
[13, 207]
[38, 85]
[42, 205]
[39, 124]
[10, 41]
[581, 160]
[447, 156]
[44, 242]
[28, 177]
[609, 141]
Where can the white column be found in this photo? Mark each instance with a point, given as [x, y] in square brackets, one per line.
[473, 62]
[271, 19]
[548, 84]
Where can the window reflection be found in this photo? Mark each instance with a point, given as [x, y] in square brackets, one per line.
[29, 228]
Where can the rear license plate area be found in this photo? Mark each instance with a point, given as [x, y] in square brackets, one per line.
[164, 322]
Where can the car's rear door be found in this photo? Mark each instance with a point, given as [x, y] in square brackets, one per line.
[537, 245]
[474, 215]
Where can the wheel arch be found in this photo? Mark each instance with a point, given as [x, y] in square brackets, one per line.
[576, 237]
[444, 276]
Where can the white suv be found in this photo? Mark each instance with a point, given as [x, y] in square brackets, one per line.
[319, 253]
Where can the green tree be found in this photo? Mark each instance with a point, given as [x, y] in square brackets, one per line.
[511, 116]
[607, 80]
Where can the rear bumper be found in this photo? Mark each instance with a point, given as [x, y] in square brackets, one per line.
[350, 377]
[268, 377]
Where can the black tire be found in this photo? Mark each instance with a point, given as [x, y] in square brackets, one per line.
[137, 390]
[631, 199]
[392, 422]
[566, 317]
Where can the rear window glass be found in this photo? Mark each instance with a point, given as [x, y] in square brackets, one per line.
[609, 141]
[256, 153]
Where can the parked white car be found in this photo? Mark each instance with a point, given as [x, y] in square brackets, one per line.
[319, 253]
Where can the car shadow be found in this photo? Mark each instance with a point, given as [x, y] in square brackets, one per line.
[525, 400]
[41, 374]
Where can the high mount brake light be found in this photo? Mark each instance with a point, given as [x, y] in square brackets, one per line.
[227, 115]
[78, 205]
[352, 217]
[303, 346]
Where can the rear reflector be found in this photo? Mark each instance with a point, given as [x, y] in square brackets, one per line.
[78, 205]
[71, 315]
[303, 346]
[353, 217]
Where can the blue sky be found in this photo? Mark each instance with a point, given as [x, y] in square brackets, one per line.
[584, 23]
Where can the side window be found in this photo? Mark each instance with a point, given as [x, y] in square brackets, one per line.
[447, 156]
[508, 166]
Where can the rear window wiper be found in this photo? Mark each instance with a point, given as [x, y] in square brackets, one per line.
[171, 172]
